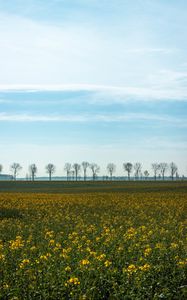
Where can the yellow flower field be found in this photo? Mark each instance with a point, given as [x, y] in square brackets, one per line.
[93, 246]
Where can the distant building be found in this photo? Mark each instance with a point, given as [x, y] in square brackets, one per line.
[6, 177]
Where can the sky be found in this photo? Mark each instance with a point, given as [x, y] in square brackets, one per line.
[101, 81]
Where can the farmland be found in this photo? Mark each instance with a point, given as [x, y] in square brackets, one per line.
[93, 240]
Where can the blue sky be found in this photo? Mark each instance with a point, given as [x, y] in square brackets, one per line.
[103, 81]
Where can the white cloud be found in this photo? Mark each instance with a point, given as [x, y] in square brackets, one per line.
[151, 50]
[105, 93]
[168, 78]
[5, 117]
[128, 117]
[39, 54]
[35, 52]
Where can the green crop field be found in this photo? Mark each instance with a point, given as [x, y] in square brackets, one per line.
[91, 187]
[93, 240]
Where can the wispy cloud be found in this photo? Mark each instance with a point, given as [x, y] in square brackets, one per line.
[160, 142]
[150, 50]
[69, 53]
[94, 72]
[128, 117]
[40, 118]
[169, 78]
[109, 93]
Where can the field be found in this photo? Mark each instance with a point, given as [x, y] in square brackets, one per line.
[97, 240]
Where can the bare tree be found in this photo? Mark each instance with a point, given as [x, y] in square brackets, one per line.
[173, 169]
[128, 168]
[50, 169]
[85, 165]
[1, 168]
[67, 168]
[163, 169]
[177, 175]
[155, 167]
[146, 174]
[77, 169]
[73, 175]
[15, 167]
[95, 169]
[33, 170]
[111, 168]
[137, 168]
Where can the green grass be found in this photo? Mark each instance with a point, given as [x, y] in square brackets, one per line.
[62, 187]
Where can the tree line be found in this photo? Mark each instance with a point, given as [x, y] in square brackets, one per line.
[73, 171]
